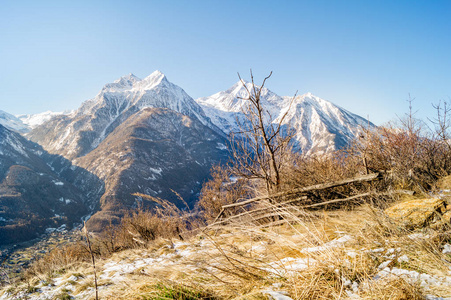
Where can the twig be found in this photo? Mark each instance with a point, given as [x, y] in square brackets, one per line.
[93, 259]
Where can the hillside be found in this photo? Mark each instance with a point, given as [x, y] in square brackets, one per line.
[344, 254]
[155, 152]
[39, 190]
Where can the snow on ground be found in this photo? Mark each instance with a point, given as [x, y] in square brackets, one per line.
[119, 269]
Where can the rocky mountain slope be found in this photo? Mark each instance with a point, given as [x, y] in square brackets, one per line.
[156, 151]
[39, 190]
[137, 135]
[319, 125]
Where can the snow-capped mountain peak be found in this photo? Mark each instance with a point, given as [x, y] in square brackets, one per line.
[35, 120]
[11, 122]
[151, 81]
[320, 125]
[234, 98]
[113, 105]
[133, 83]
[124, 82]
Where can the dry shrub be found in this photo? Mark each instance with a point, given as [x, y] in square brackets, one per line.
[222, 189]
[141, 226]
[58, 260]
[316, 169]
[414, 156]
[136, 230]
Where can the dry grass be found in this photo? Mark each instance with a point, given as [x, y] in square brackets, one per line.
[235, 267]
[59, 260]
[243, 261]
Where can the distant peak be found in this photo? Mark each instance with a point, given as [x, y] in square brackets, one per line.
[156, 76]
[154, 79]
[123, 82]
[157, 73]
[238, 86]
[309, 95]
[130, 77]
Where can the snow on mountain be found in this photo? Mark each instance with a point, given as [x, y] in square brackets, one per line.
[12, 122]
[153, 91]
[137, 135]
[226, 107]
[32, 184]
[320, 126]
[77, 134]
[35, 120]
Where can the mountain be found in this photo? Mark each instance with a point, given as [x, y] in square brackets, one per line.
[137, 135]
[39, 190]
[13, 123]
[35, 120]
[319, 125]
[77, 134]
[149, 136]
[156, 151]
[24, 123]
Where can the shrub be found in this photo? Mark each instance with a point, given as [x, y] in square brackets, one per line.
[222, 189]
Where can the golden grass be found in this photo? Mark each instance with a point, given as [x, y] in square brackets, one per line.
[241, 261]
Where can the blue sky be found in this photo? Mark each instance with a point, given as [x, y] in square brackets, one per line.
[366, 56]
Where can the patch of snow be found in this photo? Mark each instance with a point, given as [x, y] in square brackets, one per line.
[425, 280]
[351, 254]
[221, 146]
[332, 244]
[50, 230]
[277, 295]
[418, 236]
[403, 258]
[377, 250]
[384, 264]
[158, 171]
[432, 297]
[290, 264]
[446, 249]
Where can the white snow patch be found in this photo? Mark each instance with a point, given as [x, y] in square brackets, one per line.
[332, 244]
[403, 258]
[158, 171]
[277, 295]
[50, 230]
[221, 146]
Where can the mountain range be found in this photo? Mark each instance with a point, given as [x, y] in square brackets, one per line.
[142, 135]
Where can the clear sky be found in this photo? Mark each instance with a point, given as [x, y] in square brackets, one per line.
[365, 56]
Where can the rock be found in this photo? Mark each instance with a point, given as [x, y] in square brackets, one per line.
[417, 213]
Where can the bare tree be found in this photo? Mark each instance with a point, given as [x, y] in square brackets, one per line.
[260, 147]
[442, 122]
